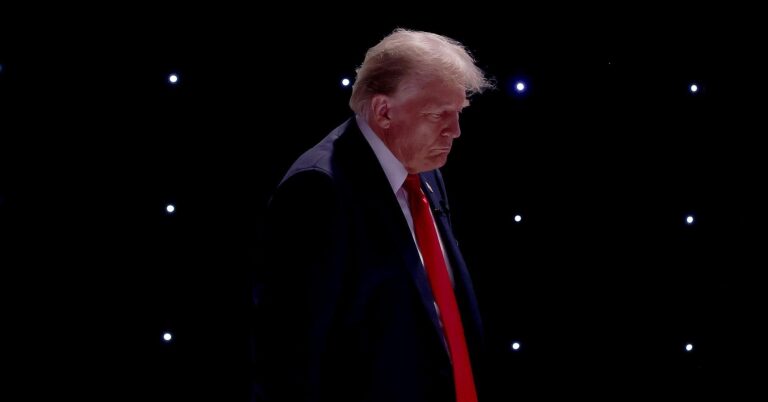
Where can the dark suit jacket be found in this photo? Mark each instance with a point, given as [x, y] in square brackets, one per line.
[347, 307]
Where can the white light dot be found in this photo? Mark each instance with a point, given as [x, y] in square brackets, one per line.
[694, 88]
[345, 82]
[167, 337]
[173, 78]
[170, 208]
[688, 347]
[518, 218]
[520, 87]
[689, 219]
[515, 345]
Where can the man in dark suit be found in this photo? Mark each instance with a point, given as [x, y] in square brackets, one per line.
[366, 296]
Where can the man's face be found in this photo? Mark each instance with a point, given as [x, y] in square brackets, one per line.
[424, 120]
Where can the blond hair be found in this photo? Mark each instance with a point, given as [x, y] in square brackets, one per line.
[406, 54]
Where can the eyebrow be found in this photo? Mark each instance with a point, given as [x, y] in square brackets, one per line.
[450, 107]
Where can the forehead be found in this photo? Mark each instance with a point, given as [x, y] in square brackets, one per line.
[435, 93]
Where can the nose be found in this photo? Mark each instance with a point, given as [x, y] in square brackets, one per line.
[453, 129]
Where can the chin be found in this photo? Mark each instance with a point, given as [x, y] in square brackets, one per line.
[435, 162]
[436, 165]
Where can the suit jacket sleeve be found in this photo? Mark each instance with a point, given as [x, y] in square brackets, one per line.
[302, 280]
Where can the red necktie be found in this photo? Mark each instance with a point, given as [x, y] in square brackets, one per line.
[437, 271]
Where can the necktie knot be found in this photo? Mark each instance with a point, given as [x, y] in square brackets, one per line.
[416, 200]
[412, 184]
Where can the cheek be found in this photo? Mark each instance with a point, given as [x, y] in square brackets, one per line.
[424, 137]
[424, 142]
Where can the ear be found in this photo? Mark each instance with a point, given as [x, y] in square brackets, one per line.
[380, 108]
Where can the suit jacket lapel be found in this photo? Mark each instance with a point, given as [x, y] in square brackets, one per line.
[463, 283]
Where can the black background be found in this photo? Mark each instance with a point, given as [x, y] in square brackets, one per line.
[604, 156]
